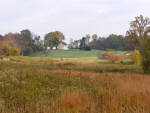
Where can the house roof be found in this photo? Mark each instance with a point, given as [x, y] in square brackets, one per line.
[64, 43]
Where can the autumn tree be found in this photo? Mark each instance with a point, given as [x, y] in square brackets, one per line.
[10, 39]
[60, 35]
[9, 46]
[8, 50]
[139, 30]
[25, 41]
[51, 40]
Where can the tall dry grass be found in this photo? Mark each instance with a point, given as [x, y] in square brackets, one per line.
[50, 87]
[74, 101]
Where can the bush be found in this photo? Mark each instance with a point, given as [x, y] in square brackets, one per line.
[126, 62]
[113, 58]
[111, 50]
[14, 51]
[4, 50]
[145, 54]
[103, 55]
[8, 50]
[28, 51]
[87, 48]
[136, 57]
[106, 54]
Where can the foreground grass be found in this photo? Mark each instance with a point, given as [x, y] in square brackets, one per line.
[42, 85]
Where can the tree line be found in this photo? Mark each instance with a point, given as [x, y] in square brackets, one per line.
[25, 42]
[113, 41]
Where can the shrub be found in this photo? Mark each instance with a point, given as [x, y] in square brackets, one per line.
[87, 48]
[127, 62]
[104, 55]
[145, 55]
[28, 51]
[4, 50]
[136, 57]
[113, 58]
[111, 50]
[14, 51]
[8, 50]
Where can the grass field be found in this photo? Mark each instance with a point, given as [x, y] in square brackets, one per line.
[78, 85]
[70, 53]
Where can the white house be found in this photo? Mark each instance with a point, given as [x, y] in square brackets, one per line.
[63, 46]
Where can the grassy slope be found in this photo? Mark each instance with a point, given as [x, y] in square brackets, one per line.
[43, 85]
[70, 53]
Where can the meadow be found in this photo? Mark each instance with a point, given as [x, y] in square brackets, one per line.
[72, 85]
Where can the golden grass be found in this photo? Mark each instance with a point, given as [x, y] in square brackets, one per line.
[74, 101]
[49, 86]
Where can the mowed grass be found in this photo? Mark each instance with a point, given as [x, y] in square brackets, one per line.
[71, 53]
[68, 54]
[74, 85]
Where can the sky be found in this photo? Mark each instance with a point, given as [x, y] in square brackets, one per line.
[75, 18]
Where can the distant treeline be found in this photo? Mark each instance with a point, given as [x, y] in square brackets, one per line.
[113, 41]
[25, 42]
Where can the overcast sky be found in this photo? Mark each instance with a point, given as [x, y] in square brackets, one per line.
[75, 18]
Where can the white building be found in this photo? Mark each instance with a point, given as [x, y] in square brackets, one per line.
[63, 46]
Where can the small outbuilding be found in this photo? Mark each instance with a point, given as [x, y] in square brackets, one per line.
[63, 46]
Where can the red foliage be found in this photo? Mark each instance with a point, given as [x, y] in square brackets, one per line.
[60, 35]
[113, 58]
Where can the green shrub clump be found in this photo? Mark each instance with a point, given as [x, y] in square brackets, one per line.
[145, 54]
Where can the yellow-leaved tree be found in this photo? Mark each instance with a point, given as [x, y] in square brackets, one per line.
[136, 57]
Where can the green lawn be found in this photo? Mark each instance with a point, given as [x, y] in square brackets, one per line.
[70, 53]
